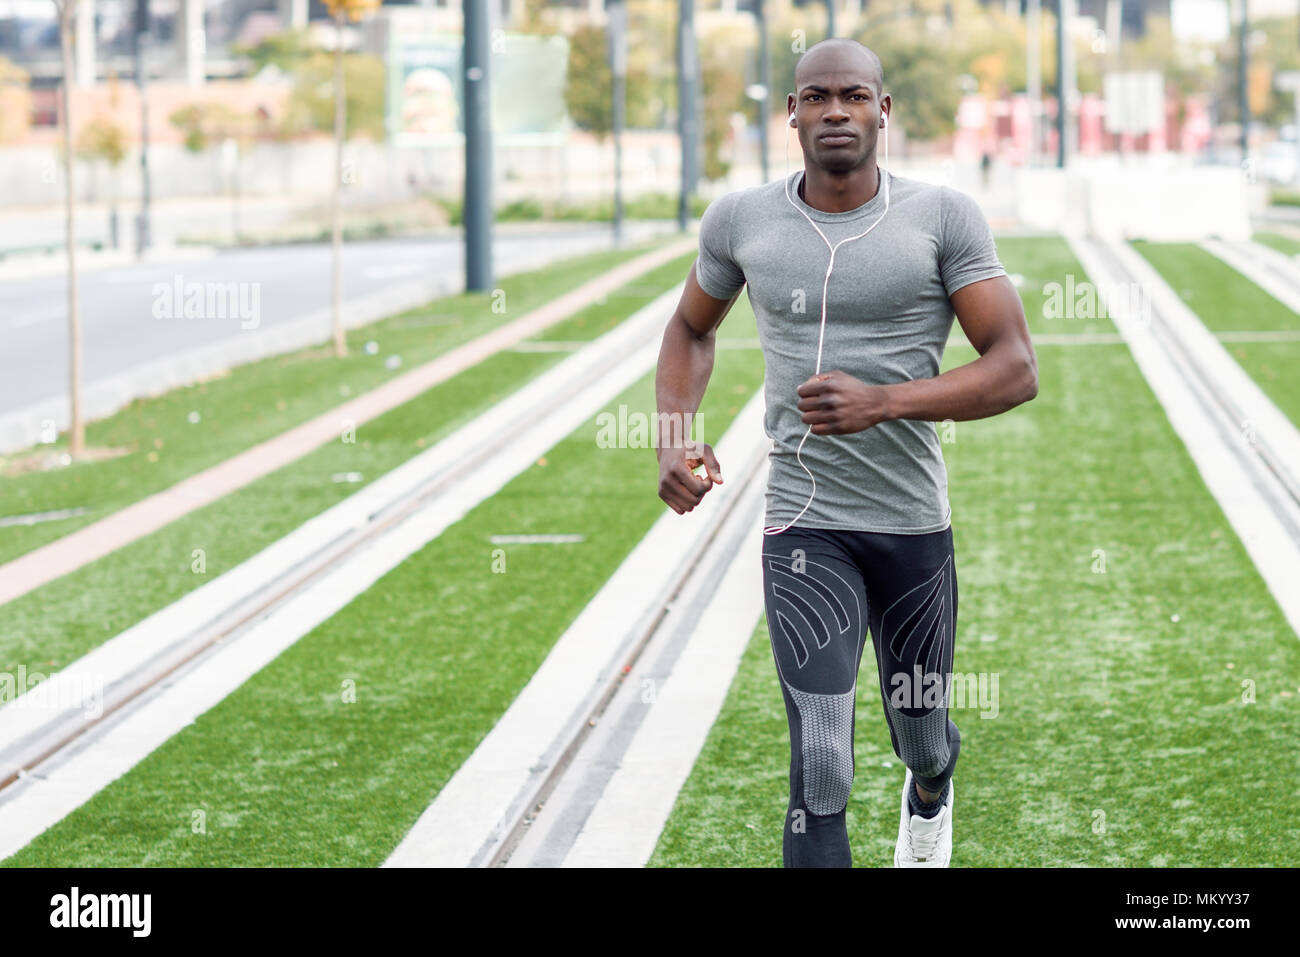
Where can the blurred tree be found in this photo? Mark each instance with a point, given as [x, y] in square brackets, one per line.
[104, 141]
[587, 82]
[588, 85]
[722, 82]
[921, 78]
[67, 11]
[341, 11]
[535, 19]
[15, 102]
[286, 50]
[311, 105]
[209, 124]
[1274, 51]
[205, 123]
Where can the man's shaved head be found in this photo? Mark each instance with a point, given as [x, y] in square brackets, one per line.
[839, 108]
[840, 54]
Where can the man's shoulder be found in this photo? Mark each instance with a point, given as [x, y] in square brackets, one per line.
[749, 196]
[919, 190]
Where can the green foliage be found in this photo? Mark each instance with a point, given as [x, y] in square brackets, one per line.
[921, 78]
[651, 73]
[205, 123]
[588, 83]
[103, 140]
[311, 106]
[285, 50]
[528, 209]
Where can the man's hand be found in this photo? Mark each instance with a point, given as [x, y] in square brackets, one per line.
[679, 486]
[835, 403]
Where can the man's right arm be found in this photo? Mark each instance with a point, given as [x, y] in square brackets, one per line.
[685, 363]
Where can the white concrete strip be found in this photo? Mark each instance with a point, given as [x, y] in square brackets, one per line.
[553, 834]
[1261, 416]
[1276, 274]
[479, 801]
[624, 827]
[61, 785]
[613, 361]
[1275, 554]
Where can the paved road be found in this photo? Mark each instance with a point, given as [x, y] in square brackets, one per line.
[124, 310]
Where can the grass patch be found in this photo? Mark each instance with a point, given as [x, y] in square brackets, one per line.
[1284, 244]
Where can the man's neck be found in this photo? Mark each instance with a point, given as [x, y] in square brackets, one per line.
[838, 194]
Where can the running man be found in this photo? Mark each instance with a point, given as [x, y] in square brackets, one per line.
[858, 272]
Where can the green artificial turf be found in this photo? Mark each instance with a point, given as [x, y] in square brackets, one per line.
[53, 625]
[1122, 737]
[260, 400]
[286, 772]
[1282, 243]
[1227, 302]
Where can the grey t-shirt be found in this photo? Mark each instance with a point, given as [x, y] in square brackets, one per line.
[887, 320]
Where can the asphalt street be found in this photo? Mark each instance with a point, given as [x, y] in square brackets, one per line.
[133, 314]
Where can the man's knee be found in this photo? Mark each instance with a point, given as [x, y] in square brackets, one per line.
[926, 743]
[826, 749]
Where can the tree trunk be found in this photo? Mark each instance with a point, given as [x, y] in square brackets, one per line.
[340, 122]
[76, 428]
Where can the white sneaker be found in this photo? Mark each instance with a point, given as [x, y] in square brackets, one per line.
[924, 842]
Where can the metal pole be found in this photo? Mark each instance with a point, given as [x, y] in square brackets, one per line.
[478, 149]
[142, 229]
[617, 37]
[765, 78]
[1062, 15]
[1034, 72]
[1243, 57]
[687, 123]
[830, 18]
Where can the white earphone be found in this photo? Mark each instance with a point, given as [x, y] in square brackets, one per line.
[884, 122]
[775, 529]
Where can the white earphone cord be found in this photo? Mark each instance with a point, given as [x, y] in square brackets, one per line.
[821, 336]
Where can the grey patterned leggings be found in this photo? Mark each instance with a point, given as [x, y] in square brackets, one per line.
[823, 589]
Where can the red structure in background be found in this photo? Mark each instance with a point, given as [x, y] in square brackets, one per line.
[1004, 128]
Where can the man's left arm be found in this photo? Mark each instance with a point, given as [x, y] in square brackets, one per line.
[1005, 374]
[993, 318]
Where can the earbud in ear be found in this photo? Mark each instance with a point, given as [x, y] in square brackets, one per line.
[884, 120]
[792, 119]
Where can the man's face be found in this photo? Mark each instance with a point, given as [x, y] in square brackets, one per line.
[837, 113]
